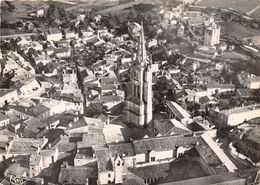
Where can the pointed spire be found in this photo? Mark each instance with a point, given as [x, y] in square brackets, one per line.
[142, 56]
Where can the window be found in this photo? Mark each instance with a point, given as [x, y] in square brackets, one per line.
[109, 175]
[118, 163]
[152, 158]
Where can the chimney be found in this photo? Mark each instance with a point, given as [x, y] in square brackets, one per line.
[108, 120]
[65, 164]
[76, 118]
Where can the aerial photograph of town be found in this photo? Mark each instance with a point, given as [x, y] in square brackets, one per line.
[130, 92]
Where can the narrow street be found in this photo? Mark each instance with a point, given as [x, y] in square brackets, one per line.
[240, 164]
[80, 82]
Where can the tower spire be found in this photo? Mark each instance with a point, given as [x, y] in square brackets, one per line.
[142, 56]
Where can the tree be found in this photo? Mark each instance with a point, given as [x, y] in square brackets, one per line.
[53, 13]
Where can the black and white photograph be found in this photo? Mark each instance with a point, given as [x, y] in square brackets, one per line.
[130, 92]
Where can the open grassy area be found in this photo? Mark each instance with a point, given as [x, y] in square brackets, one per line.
[22, 8]
[242, 5]
[256, 14]
[238, 30]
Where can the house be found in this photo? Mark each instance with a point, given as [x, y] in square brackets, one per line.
[253, 83]
[235, 116]
[92, 139]
[105, 167]
[220, 88]
[18, 168]
[23, 146]
[53, 34]
[244, 93]
[176, 111]
[88, 32]
[35, 165]
[62, 52]
[33, 128]
[43, 59]
[109, 101]
[8, 96]
[77, 175]
[254, 137]
[4, 120]
[49, 156]
[27, 85]
[40, 12]
[69, 75]
[202, 124]
[161, 149]
[70, 34]
[85, 157]
[169, 127]
[214, 156]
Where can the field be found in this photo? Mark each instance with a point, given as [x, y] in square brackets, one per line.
[256, 14]
[238, 30]
[242, 5]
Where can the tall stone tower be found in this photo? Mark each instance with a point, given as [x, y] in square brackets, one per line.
[139, 103]
[212, 35]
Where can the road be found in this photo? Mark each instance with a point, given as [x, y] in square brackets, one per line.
[16, 35]
[252, 11]
[118, 8]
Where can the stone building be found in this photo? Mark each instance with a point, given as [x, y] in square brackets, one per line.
[139, 105]
[212, 35]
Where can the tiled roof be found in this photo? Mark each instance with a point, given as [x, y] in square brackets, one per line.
[3, 117]
[76, 175]
[26, 145]
[103, 159]
[35, 159]
[64, 145]
[162, 143]
[151, 171]
[255, 135]
[34, 125]
[6, 91]
[121, 149]
[54, 31]
[179, 112]
[222, 86]
[89, 140]
[163, 126]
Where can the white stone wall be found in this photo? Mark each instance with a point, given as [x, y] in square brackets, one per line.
[253, 85]
[105, 177]
[140, 158]
[84, 161]
[10, 97]
[236, 119]
[54, 37]
[163, 155]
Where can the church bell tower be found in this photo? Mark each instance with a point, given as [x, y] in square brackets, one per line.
[139, 105]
